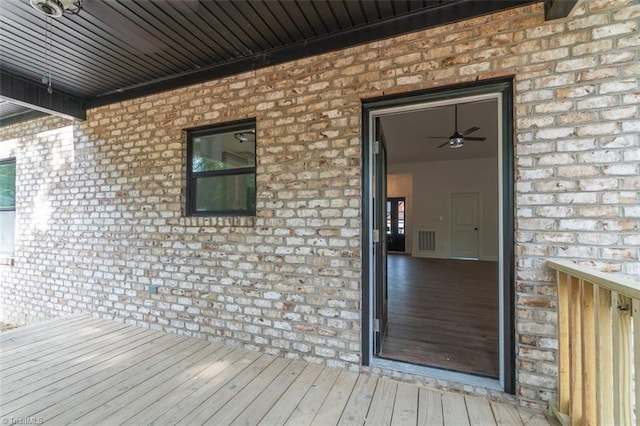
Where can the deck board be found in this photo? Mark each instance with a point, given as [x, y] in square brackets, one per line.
[90, 371]
[58, 387]
[355, 412]
[430, 408]
[260, 406]
[28, 362]
[454, 410]
[153, 406]
[289, 400]
[333, 405]
[405, 409]
[220, 398]
[236, 405]
[116, 396]
[197, 399]
[381, 408]
[26, 333]
[309, 406]
[505, 414]
[479, 411]
[39, 342]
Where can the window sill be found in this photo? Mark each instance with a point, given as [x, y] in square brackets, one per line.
[6, 260]
[219, 221]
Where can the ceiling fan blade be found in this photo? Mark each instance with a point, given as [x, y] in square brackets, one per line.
[473, 139]
[470, 130]
[443, 145]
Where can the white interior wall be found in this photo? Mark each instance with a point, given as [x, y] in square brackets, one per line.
[432, 184]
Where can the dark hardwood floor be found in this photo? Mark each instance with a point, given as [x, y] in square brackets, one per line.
[443, 313]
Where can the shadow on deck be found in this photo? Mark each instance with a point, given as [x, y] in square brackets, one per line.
[84, 370]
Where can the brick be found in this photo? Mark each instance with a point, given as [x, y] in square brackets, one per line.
[615, 29]
[598, 20]
[575, 64]
[576, 91]
[555, 133]
[619, 113]
[618, 86]
[591, 48]
[594, 102]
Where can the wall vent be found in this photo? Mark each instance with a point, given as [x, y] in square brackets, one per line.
[426, 240]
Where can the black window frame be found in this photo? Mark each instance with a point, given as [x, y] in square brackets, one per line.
[192, 177]
[5, 162]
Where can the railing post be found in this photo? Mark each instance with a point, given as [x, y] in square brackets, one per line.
[575, 349]
[605, 356]
[564, 359]
[589, 378]
[636, 355]
[621, 307]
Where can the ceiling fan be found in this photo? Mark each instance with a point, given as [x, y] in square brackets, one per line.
[456, 140]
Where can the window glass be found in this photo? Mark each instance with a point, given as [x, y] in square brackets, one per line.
[7, 206]
[8, 185]
[224, 151]
[7, 231]
[228, 192]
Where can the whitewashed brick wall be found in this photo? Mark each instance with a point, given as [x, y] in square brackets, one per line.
[100, 202]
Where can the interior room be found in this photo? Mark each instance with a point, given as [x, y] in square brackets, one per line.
[443, 285]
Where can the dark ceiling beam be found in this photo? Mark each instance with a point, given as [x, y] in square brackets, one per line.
[556, 9]
[446, 12]
[33, 95]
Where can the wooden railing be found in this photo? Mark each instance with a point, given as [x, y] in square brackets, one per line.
[598, 347]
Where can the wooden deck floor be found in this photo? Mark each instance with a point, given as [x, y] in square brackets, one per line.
[88, 371]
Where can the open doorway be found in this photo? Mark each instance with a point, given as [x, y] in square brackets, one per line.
[396, 219]
[448, 304]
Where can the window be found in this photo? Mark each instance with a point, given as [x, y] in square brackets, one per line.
[7, 205]
[221, 172]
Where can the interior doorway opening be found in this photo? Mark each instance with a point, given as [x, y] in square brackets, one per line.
[448, 304]
[396, 220]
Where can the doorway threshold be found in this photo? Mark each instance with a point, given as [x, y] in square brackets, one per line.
[436, 373]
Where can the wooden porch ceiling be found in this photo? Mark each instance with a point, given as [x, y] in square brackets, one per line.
[84, 370]
[121, 49]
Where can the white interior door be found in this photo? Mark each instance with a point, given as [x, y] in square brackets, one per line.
[465, 219]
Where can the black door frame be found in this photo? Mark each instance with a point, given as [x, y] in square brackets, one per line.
[380, 245]
[503, 86]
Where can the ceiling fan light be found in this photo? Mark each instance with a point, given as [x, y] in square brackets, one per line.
[55, 8]
[456, 142]
[247, 136]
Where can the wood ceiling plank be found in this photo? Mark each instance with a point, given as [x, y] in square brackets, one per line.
[222, 27]
[80, 34]
[72, 79]
[255, 23]
[290, 26]
[158, 33]
[296, 15]
[239, 25]
[326, 15]
[341, 14]
[310, 13]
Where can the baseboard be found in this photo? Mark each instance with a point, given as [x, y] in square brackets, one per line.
[429, 255]
[489, 258]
